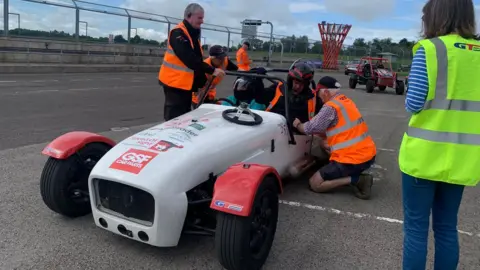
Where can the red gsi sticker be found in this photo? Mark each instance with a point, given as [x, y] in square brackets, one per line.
[134, 160]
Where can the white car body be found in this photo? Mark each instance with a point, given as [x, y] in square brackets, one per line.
[180, 154]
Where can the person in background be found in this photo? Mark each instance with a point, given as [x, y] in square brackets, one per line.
[352, 150]
[439, 153]
[243, 61]
[183, 69]
[218, 59]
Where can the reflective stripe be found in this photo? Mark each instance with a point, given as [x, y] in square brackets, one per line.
[348, 125]
[444, 137]
[170, 51]
[348, 143]
[177, 67]
[440, 101]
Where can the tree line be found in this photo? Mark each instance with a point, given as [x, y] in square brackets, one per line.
[292, 44]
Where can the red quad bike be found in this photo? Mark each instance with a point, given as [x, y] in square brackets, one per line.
[376, 72]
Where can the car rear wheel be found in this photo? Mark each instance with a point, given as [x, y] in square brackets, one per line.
[64, 183]
[244, 243]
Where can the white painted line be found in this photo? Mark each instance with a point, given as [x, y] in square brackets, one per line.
[116, 129]
[376, 166]
[45, 81]
[82, 89]
[355, 215]
[386, 149]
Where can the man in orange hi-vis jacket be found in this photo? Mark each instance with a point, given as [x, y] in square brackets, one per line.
[352, 150]
[218, 59]
[243, 62]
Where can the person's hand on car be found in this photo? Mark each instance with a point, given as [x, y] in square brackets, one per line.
[219, 72]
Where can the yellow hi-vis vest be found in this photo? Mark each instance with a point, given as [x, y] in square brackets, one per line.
[442, 142]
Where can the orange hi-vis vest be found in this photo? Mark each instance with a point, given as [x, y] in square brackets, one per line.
[349, 140]
[212, 93]
[312, 103]
[243, 62]
[173, 72]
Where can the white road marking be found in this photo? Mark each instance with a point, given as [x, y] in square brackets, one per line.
[45, 81]
[386, 149]
[356, 215]
[376, 166]
[82, 89]
[116, 129]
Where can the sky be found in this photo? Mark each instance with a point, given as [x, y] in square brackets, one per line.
[370, 19]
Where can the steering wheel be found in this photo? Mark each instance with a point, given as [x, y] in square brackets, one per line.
[218, 101]
[242, 110]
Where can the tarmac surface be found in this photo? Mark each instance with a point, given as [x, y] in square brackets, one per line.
[315, 231]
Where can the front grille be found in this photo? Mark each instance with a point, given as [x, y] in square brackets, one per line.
[125, 201]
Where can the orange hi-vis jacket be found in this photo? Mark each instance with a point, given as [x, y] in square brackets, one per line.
[173, 72]
[349, 140]
[243, 62]
[212, 93]
[312, 103]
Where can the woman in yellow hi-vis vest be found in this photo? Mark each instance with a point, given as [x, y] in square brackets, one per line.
[440, 151]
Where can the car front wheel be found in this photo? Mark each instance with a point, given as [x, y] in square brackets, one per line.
[64, 183]
[244, 242]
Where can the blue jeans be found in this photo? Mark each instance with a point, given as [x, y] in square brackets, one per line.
[421, 196]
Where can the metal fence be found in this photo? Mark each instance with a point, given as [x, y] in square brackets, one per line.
[129, 14]
[284, 46]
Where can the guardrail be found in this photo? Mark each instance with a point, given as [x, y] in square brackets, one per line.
[18, 50]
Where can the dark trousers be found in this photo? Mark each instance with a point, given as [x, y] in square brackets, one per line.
[177, 102]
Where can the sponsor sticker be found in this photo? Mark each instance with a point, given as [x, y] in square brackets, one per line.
[133, 161]
[164, 146]
[144, 141]
[231, 206]
[197, 126]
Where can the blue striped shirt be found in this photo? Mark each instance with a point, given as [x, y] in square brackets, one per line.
[417, 83]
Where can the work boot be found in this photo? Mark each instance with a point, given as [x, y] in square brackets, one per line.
[363, 188]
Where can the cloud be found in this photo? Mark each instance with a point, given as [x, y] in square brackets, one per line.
[303, 7]
[365, 10]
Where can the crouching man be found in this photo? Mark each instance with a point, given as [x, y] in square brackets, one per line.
[352, 150]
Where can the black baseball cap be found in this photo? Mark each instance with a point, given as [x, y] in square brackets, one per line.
[328, 82]
[217, 51]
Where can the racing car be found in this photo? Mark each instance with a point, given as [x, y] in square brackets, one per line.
[217, 170]
[378, 74]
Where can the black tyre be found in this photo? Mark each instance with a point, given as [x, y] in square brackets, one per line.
[64, 183]
[382, 87]
[370, 86]
[352, 83]
[400, 88]
[244, 243]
